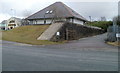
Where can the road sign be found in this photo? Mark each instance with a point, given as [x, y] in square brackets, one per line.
[58, 33]
[117, 35]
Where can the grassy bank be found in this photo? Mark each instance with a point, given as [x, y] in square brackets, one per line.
[27, 34]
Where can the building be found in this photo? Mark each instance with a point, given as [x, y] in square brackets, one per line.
[56, 12]
[3, 25]
[13, 22]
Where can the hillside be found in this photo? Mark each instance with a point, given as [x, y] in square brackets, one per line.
[26, 34]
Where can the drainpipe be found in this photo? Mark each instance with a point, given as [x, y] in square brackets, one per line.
[44, 19]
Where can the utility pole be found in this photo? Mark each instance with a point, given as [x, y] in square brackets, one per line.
[13, 12]
[114, 24]
[114, 28]
[90, 18]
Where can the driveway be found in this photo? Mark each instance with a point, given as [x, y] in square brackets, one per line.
[88, 54]
[94, 43]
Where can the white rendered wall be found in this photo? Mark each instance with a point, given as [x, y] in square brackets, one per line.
[48, 21]
[78, 22]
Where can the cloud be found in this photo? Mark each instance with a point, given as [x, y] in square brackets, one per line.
[23, 8]
[95, 9]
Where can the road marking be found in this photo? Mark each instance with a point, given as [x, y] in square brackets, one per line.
[21, 44]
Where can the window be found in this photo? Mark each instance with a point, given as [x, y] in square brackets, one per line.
[12, 21]
[47, 12]
[50, 11]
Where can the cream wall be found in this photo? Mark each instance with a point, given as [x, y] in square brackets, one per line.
[78, 22]
[48, 21]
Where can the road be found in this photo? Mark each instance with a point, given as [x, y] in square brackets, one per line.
[87, 54]
[0, 52]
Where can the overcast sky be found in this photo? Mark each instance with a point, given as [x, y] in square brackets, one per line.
[93, 8]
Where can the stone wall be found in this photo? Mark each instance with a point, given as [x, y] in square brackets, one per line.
[72, 31]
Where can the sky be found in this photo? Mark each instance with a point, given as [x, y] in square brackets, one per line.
[94, 8]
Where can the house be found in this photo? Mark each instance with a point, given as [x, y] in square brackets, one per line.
[13, 22]
[56, 12]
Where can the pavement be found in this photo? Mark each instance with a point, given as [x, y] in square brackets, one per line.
[51, 31]
[87, 54]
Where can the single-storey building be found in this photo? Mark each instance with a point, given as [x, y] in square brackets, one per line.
[56, 12]
[3, 25]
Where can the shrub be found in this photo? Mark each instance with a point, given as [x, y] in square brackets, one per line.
[102, 24]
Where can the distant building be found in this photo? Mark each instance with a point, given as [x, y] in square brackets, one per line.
[56, 12]
[13, 22]
[24, 22]
[3, 25]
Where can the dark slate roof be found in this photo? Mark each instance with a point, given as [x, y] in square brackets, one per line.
[59, 10]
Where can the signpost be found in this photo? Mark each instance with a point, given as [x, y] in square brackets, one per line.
[58, 33]
[117, 36]
[57, 36]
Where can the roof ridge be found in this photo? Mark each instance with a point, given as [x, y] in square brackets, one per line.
[41, 10]
[71, 11]
[67, 9]
[64, 11]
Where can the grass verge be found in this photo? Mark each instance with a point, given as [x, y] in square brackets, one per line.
[114, 43]
[27, 34]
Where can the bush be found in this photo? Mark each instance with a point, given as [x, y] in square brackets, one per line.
[102, 24]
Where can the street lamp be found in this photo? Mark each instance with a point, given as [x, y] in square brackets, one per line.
[90, 18]
[13, 12]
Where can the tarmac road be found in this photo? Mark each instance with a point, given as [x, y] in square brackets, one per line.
[0, 52]
[88, 54]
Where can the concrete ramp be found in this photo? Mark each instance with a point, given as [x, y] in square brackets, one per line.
[51, 31]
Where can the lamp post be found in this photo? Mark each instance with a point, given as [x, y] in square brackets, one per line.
[90, 18]
[13, 12]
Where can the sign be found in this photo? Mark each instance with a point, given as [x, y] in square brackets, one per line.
[117, 35]
[58, 33]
